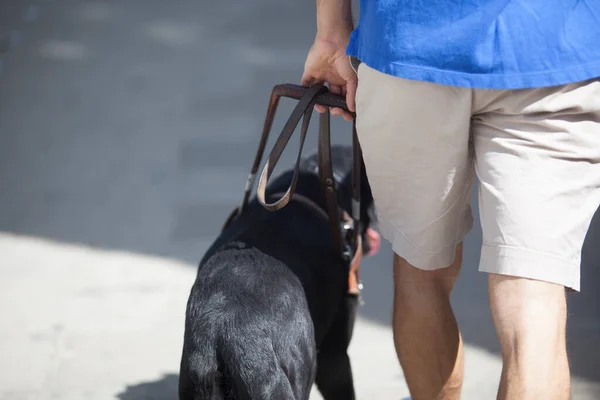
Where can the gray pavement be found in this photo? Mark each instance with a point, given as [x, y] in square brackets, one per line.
[126, 133]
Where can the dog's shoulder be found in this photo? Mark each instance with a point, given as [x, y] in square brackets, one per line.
[235, 252]
[239, 266]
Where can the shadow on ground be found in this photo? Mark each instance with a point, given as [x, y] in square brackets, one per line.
[164, 388]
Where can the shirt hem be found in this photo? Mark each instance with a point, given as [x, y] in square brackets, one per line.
[476, 81]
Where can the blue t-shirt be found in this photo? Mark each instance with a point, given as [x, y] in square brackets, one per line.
[494, 44]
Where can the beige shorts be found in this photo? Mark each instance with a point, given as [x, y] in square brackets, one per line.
[536, 153]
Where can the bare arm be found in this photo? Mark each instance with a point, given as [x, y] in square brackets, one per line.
[334, 20]
[327, 60]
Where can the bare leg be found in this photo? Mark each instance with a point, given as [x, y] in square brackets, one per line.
[530, 318]
[426, 334]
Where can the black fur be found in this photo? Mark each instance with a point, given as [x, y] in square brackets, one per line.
[271, 291]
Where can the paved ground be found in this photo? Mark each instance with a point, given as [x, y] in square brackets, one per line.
[126, 132]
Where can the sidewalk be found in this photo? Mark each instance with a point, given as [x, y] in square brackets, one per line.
[79, 323]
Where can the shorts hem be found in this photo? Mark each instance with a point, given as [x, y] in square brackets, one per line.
[421, 258]
[524, 263]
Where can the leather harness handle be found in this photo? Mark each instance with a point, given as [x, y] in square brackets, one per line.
[327, 179]
[308, 97]
[356, 178]
[303, 110]
[324, 98]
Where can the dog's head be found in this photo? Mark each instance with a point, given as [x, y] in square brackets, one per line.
[341, 160]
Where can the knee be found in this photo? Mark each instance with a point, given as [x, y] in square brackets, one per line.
[412, 281]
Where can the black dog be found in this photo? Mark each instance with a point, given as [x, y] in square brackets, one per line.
[271, 311]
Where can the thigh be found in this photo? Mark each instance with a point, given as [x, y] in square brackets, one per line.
[416, 147]
[538, 161]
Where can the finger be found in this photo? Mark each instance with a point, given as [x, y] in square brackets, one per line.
[336, 89]
[351, 94]
[320, 108]
[341, 90]
[307, 79]
[336, 111]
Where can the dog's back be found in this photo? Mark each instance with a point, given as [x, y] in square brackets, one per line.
[249, 336]
[267, 293]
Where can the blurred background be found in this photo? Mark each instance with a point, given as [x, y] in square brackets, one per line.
[127, 129]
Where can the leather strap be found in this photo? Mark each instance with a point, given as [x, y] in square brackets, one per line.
[303, 110]
[273, 103]
[285, 90]
[356, 178]
[327, 181]
[308, 202]
[308, 97]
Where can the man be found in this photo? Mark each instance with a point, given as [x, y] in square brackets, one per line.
[506, 88]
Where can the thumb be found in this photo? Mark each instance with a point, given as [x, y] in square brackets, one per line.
[351, 86]
[307, 79]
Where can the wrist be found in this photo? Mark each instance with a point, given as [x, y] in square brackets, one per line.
[338, 36]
